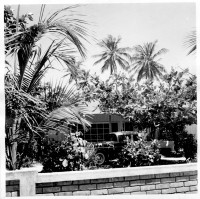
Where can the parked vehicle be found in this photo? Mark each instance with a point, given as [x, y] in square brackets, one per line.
[114, 142]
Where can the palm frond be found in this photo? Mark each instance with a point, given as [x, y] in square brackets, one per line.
[101, 59]
[162, 51]
[106, 66]
[68, 26]
[122, 62]
[190, 42]
[141, 73]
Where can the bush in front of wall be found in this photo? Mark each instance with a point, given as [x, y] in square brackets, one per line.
[139, 153]
[67, 155]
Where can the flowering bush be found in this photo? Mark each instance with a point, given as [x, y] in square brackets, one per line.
[67, 155]
[139, 153]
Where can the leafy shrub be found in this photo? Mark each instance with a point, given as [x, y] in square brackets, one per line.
[190, 146]
[187, 144]
[139, 153]
[67, 155]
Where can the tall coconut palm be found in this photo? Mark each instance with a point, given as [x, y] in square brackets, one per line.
[145, 62]
[190, 42]
[32, 61]
[112, 56]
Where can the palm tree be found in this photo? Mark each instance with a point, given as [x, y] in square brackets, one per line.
[190, 42]
[145, 63]
[112, 56]
[33, 62]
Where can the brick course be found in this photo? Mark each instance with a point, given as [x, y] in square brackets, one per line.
[162, 186]
[132, 189]
[176, 184]
[121, 184]
[70, 188]
[182, 189]
[167, 191]
[148, 187]
[99, 192]
[115, 190]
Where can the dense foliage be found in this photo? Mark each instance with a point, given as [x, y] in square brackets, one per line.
[165, 108]
[29, 113]
[70, 154]
[139, 153]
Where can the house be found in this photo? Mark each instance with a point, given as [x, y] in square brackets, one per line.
[100, 126]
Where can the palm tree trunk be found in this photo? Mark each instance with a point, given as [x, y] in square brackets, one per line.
[14, 145]
[15, 126]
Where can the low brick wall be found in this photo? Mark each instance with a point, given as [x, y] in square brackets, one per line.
[166, 183]
[166, 179]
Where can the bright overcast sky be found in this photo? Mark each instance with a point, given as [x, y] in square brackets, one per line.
[136, 23]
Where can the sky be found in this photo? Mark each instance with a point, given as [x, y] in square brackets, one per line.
[136, 24]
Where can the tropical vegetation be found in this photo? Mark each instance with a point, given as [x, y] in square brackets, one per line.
[146, 63]
[191, 42]
[166, 108]
[34, 108]
[30, 108]
[112, 56]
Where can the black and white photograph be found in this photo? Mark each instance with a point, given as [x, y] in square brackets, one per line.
[99, 98]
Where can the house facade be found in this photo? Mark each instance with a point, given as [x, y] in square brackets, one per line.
[100, 127]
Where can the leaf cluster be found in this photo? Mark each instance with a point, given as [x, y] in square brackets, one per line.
[67, 155]
[139, 153]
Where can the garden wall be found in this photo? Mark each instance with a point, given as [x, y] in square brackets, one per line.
[165, 179]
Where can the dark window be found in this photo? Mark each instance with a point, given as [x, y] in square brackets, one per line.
[106, 131]
[106, 126]
[114, 127]
[97, 132]
[100, 126]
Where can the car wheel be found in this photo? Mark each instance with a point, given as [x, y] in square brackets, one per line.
[99, 158]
